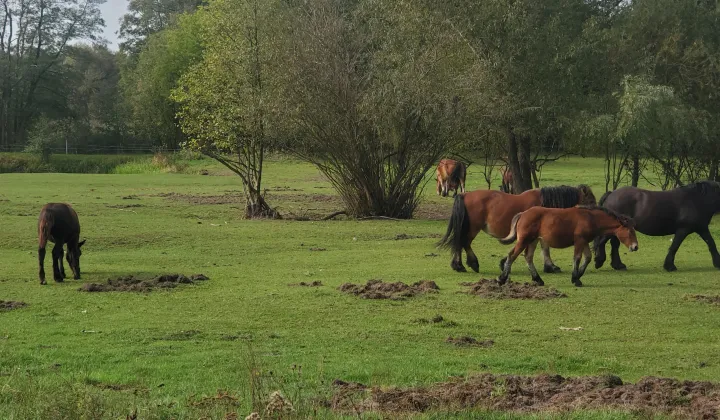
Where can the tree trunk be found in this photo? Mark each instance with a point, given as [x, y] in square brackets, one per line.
[519, 161]
[635, 170]
[713, 173]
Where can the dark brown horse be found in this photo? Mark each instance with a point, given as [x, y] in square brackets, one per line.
[681, 211]
[450, 176]
[59, 223]
[492, 212]
[563, 228]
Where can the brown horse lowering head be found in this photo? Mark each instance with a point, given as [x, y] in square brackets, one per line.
[73, 258]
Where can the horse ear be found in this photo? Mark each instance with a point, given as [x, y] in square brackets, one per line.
[80, 244]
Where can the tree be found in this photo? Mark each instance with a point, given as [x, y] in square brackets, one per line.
[540, 59]
[374, 89]
[147, 82]
[227, 100]
[33, 37]
[147, 17]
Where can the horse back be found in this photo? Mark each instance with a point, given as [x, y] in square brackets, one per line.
[492, 210]
[656, 213]
[58, 222]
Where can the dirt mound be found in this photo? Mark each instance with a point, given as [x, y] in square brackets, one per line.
[315, 283]
[377, 289]
[511, 290]
[9, 305]
[715, 300]
[135, 284]
[652, 395]
[467, 341]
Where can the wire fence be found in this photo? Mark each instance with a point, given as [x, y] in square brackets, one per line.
[124, 149]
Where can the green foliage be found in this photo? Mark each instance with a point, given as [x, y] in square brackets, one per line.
[148, 83]
[44, 135]
[147, 17]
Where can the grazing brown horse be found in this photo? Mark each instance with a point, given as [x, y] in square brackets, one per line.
[563, 228]
[59, 223]
[450, 176]
[492, 212]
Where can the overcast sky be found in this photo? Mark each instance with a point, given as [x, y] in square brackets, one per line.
[112, 11]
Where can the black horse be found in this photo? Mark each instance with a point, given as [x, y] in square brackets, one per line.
[680, 211]
[59, 223]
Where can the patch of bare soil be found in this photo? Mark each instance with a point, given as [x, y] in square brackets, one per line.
[124, 206]
[377, 289]
[544, 393]
[494, 290]
[315, 283]
[467, 341]
[436, 320]
[9, 305]
[230, 198]
[433, 211]
[135, 284]
[222, 398]
[715, 300]
[405, 236]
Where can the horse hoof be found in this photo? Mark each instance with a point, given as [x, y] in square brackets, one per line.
[599, 264]
[619, 267]
[59, 280]
[459, 268]
[670, 268]
[538, 281]
[475, 267]
[552, 269]
[577, 283]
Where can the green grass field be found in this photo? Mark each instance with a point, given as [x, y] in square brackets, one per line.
[170, 348]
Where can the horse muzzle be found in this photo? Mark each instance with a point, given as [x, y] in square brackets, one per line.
[633, 247]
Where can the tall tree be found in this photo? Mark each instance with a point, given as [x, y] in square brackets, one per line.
[33, 37]
[228, 100]
[146, 17]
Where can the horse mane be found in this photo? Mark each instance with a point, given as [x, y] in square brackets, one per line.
[561, 197]
[625, 221]
[704, 187]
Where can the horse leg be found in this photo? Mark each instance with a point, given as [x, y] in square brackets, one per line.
[57, 254]
[600, 255]
[615, 262]
[62, 267]
[548, 266]
[529, 254]
[41, 262]
[472, 259]
[680, 236]
[512, 256]
[707, 237]
[587, 257]
[439, 186]
[576, 273]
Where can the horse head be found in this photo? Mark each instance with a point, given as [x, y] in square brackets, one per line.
[73, 258]
[587, 198]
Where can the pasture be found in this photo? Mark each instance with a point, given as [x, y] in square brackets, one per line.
[168, 353]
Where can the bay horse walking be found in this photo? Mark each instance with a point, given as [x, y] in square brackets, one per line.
[680, 211]
[563, 228]
[450, 176]
[492, 212]
[59, 223]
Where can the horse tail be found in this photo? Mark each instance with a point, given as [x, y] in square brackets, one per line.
[603, 198]
[458, 228]
[45, 225]
[458, 173]
[513, 231]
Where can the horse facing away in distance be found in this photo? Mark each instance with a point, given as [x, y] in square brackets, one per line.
[680, 211]
[59, 223]
[563, 228]
[450, 176]
[492, 212]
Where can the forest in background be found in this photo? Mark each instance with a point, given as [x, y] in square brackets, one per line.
[372, 92]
